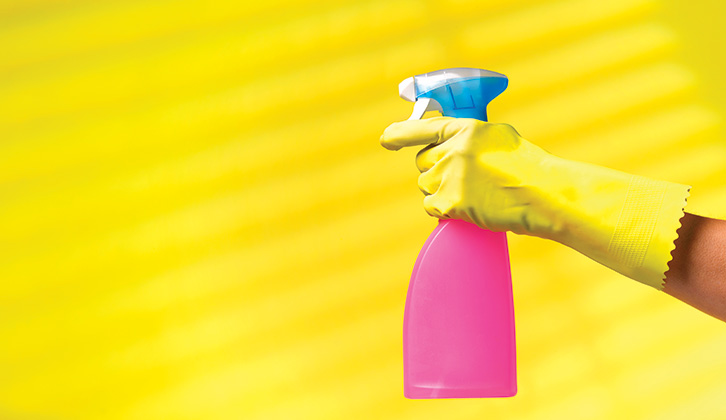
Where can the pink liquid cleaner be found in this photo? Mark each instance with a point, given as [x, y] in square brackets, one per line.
[458, 326]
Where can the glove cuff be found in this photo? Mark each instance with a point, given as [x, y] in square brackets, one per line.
[646, 229]
[626, 222]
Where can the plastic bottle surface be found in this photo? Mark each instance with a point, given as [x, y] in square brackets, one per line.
[459, 320]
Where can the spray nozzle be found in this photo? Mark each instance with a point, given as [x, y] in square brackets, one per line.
[457, 92]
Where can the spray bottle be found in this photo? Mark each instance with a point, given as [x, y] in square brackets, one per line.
[458, 325]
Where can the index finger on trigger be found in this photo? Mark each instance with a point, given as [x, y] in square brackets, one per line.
[417, 132]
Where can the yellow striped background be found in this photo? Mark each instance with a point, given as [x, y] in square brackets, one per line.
[197, 220]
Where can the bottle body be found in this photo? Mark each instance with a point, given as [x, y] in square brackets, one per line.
[458, 328]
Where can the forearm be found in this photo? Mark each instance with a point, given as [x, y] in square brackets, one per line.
[489, 175]
[697, 272]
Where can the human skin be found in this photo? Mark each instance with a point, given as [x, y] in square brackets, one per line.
[697, 272]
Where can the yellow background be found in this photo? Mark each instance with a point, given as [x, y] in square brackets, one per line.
[197, 220]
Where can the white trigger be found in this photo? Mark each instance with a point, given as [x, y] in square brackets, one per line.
[422, 105]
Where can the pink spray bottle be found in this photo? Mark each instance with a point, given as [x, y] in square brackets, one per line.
[458, 325]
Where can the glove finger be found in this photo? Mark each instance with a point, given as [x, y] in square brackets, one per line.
[420, 132]
[427, 157]
[437, 206]
[429, 181]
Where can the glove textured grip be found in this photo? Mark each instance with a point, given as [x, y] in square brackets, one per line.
[646, 229]
[637, 221]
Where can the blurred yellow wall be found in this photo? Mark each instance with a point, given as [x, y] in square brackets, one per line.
[197, 220]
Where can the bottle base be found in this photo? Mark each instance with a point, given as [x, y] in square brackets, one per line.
[426, 393]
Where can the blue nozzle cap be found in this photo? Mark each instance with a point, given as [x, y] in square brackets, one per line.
[461, 92]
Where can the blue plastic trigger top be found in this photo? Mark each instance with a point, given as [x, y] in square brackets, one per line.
[467, 97]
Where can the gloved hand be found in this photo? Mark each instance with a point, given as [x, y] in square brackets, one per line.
[487, 174]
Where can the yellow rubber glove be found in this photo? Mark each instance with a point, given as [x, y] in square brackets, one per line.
[487, 174]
